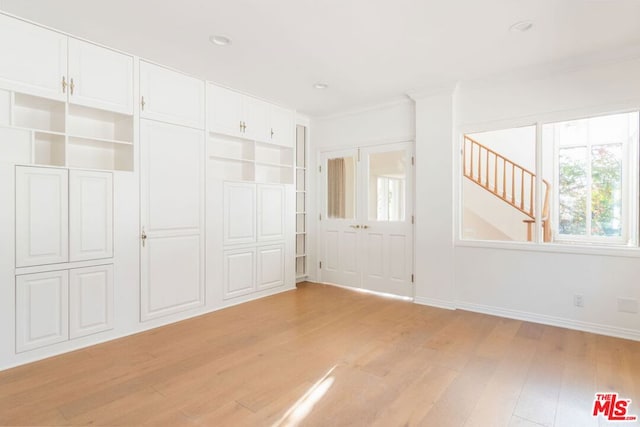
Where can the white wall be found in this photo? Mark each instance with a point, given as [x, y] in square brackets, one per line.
[511, 279]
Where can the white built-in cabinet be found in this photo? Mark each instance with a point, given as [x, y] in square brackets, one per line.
[55, 306]
[62, 217]
[171, 97]
[172, 219]
[234, 114]
[63, 101]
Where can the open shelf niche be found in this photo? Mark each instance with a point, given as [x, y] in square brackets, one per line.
[36, 130]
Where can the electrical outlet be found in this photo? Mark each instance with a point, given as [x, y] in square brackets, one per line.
[628, 305]
[578, 301]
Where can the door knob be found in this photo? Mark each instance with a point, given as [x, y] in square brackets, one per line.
[354, 226]
[365, 226]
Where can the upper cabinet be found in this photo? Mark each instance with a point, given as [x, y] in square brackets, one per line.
[234, 114]
[51, 65]
[38, 59]
[171, 97]
[100, 78]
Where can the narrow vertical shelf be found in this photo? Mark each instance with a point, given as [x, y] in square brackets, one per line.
[301, 202]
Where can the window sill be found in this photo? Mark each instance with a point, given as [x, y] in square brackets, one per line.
[563, 248]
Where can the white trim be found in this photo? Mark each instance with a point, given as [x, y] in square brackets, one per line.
[444, 88]
[434, 302]
[561, 322]
[581, 249]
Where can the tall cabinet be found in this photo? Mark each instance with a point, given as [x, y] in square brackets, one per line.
[250, 194]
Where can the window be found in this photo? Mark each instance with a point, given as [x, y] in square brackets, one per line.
[586, 190]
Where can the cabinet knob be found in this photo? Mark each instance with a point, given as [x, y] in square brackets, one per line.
[354, 226]
[64, 84]
[71, 86]
[143, 236]
[142, 103]
[272, 133]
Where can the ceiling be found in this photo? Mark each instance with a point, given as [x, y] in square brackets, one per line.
[367, 51]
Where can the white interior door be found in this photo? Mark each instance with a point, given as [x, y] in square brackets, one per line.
[367, 222]
[340, 218]
[172, 235]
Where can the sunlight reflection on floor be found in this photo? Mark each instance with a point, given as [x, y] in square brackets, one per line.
[296, 413]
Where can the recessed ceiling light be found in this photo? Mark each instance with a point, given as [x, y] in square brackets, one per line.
[521, 26]
[320, 86]
[220, 40]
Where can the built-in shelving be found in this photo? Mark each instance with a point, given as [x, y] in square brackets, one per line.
[41, 131]
[238, 159]
[301, 202]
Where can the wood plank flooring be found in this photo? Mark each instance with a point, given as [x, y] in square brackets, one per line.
[325, 356]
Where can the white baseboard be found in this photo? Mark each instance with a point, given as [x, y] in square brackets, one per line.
[434, 302]
[578, 325]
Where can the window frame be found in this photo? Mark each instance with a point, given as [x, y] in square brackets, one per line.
[628, 245]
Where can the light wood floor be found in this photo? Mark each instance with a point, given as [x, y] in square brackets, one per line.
[326, 356]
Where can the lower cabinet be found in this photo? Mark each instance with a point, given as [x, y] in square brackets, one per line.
[247, 270]
[56, 306]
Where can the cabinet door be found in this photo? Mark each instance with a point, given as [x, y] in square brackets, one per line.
[239, 213]
[270, 212]
[256, 118]
[239, 272]
[100, 78]
[41, 216]
[172, 216]
[42, 309]
[90, 215]
[282, 126]
[38, 59]
[171, 97]
[270, 267]
[224, 111]
[90, 300]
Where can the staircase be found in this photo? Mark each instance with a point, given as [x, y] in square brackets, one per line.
[507, 180]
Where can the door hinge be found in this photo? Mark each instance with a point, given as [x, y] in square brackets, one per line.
[413, 219]
[320, 169]
[358, 154]
[320, 264]
[320, 217]
[412, 278]
[413, 161]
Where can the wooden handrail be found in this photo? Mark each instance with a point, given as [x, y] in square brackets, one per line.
[479, 173]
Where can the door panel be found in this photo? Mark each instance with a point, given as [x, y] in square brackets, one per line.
[90, 215]
[239, 213]
[42, 216]
[42, 309]
[270, 212]
[171, 97]
[256, 118]
[38, 59]
[172, 216]
[282, 126]
[90, 300]
[367, 220]
[270, 267]
[102, 78]
[239, 272]
[224, 111]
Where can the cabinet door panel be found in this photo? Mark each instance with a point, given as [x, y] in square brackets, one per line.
[270, 212]
[102, 78]
[38, 58]
[270, 267]
[224, 111]
[42, 309]
[239, 213]
[239, 272]
[171, 97]
[91, 215]
[41, 216]
[282, 126]
[174, 269]
[90, 300]
[256, 117]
